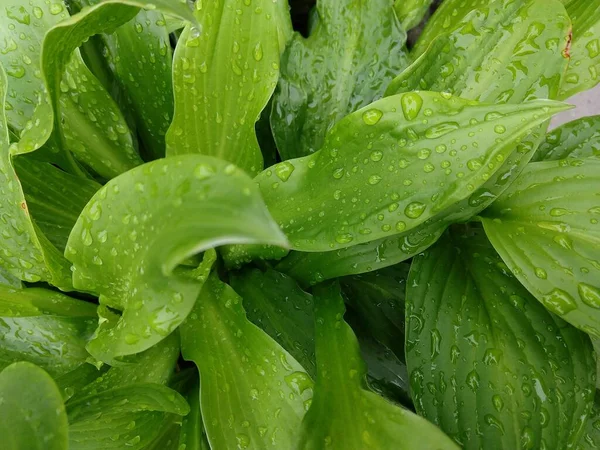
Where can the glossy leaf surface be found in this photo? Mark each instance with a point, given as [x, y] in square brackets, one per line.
[545, 228]
[45, 328]
[129, 406]
[343, 414]
[223, 78]
[26, 254]
[275, 303]
[410, 12]
[577, 139]
[489, 364]
[32, 414]
[135, 231]
[247, 380]
[585, 47]
[387, 168]
[355, 49]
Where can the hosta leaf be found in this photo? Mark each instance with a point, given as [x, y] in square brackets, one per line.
[54, 198]
[378, 298]
[128, 406]
[388, 168]
[88, 122]
[591, 434]
[64, 38]
[26, 253]
[352, 53]
[192, 435]
[410, 12]
[252, 392]
[32, 414]
[45, 328]
[223, 79]
[577, 139]
[472, 60]
[475, 84]
[343, 414]
[140, 58]
[583, 70]
[275, 303]
[135, 231]
[487, 363]
[546, 230]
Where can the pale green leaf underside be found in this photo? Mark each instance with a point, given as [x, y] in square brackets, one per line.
[343, 414]
[391, 166]
[489, 364]
[32, 414]
[546, 230]
[223, 79]
[134, 232]
[247, 380]
[345, 64]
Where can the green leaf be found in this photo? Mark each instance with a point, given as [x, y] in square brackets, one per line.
[343, 414]
[489, 364]
[582, 73]
[139, 227]
[140, 58]
[192, 435]
[129, 406]
[275, 303]
[378, 298]
[45, 328]
[545, 228]
[411, 12]
[390, 167]
[223, 79]
[505, 52]
[26, 254]
[577, 139]
[346, 63]
[252, 393]
[91, 125]
[591, 434]
[32, 414]
[54, 198]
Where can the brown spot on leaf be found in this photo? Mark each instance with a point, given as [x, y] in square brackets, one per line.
[567, 51]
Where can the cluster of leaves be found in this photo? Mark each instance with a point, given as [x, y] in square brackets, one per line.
[406, 258]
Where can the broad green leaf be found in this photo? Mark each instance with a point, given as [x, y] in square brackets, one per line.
[352, 53]
[88, 122]
[343, 414]
[411, 12]
[140, 58]
[9, 280]
[577, 139]
[591, 434]
[391, 166]
[545, 228]
[128, 406]
[191, 435]
[32, 414]
[253, 393]
[275, 303]
[446, 17]
[504, 52]
[223, 79]
[54, 198]
[489, 364]
[391, 250]
[26, 253]
[59, 44]
[583, 69]
[139, 227]
[45, 328]
[378, 298]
